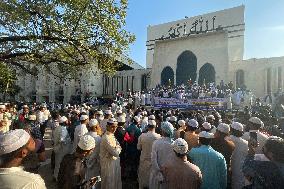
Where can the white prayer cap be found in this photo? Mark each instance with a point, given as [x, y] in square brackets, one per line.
[112, 121]
[255, 120]
[108, 112]
[93, 122]
[87, 142]
[145, 113]
[13, 140]
[137, 118]
[32, 117]
[180, 146]
[63, 119]
[169, 112]
[152, 122]
[173, 118]
[193, 123]
[206, 125]
[2, 106]
[224, 128]
[181, 122]
[152, 117]
[77, 111]
[100, 112]
[121, 119]
[119, 112]
[211, 117]
[205, 134]
[168, 118]
[25, 106]
[237, 126]
[43, 105]
[84, 117]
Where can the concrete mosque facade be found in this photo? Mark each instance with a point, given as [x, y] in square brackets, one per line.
[205, 48]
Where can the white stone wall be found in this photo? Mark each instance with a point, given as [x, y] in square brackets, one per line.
[256, 73]
[208, 48]
[230, 20]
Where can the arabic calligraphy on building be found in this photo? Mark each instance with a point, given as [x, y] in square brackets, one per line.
[198, 26]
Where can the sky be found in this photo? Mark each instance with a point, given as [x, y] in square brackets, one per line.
[264, 19]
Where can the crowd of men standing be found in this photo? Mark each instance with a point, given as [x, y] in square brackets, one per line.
[103, 148]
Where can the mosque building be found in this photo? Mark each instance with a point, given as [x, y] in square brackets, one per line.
[205, 48]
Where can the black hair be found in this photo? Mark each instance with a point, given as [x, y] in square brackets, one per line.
[179, 155]
[6, 158]
[236, 133]
[151, 126]
[189, 128]
[275, 145]
[204, 141]
[121, 124]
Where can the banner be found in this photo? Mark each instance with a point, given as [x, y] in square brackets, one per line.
[193, 104]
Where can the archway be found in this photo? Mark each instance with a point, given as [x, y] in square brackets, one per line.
[240, 78]
[186, 67]
[166, 75]
[207, 74]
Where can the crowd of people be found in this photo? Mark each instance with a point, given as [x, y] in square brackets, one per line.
[164, 148]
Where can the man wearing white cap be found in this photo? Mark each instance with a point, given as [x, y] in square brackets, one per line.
[93, 162]
[15, 145]
[211, 163]
[109, 157]
[180, 173]
[72, 173]
[80, 130]
[161, 152]
[145, 142]
[238, 156]
[180, 132]
[62, 144]
[221, 144]
[254, 124]
[103, 123]
[190, 136]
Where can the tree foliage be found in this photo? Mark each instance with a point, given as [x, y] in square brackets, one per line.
[8, 81]
[67, 33]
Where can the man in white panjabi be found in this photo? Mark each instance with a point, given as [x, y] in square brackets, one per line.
[145, 142]
[80, 130]
[15, 145]
[254, 124]
[238, 156]
[103, 123]
[161, 152]
[93, 163]
[109, 157]
[62, 144]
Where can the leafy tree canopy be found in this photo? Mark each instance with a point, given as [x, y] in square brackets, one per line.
[66, 33]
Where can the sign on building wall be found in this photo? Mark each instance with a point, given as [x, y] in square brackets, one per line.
[192, 104]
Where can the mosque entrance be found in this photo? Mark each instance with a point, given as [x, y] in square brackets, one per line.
[186, 67]
[167, 76]
[206, 74]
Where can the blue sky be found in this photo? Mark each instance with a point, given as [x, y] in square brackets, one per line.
[264, 19]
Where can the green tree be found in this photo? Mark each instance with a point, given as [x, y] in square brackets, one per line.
[64, 33]
[8, 81]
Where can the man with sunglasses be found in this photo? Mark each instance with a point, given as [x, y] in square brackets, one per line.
[15, 145]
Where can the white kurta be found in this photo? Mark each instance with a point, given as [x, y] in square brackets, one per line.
[145, 142]
[238, 156]
[62, 146]
[110, 162]
[93, 163]
[261, 139]
[80, 130]
[162, 151]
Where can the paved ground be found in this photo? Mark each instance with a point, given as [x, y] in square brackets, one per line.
[45, 170]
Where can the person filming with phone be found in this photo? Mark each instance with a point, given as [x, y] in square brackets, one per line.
[265, 173]
[253, 127]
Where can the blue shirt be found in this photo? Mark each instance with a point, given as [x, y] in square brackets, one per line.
[212, 165]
